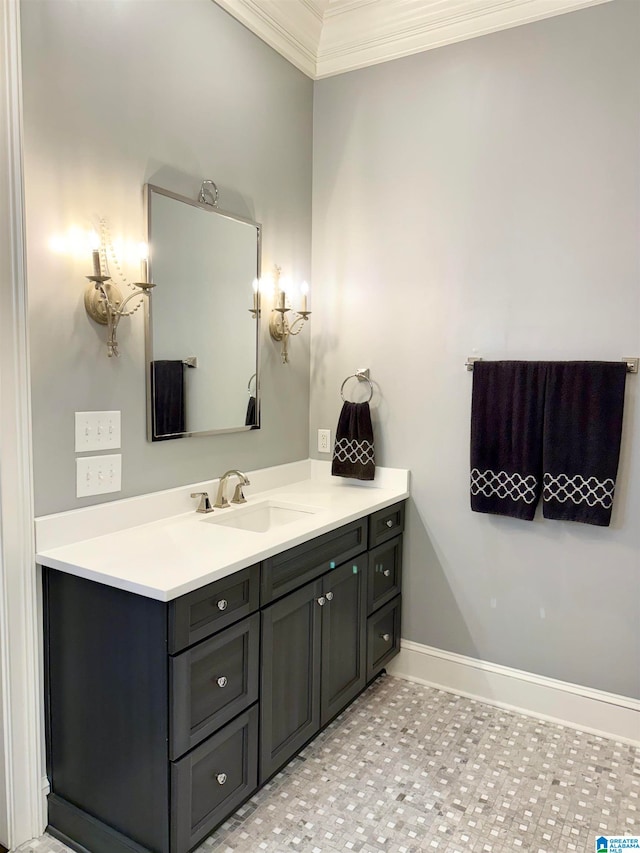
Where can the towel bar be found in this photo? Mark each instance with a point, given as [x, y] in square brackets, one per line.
[631, 361]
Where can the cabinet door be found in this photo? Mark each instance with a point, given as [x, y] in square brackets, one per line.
[344, 635]
[290, 676]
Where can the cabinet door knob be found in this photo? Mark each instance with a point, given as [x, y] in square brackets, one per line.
[389, 523]
[222, 681]
[329, 596]
[385, 637]
[321, 601]
[221, 778]
[222, 604]
[386, 573]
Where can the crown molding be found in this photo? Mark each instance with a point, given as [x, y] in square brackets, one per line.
[361, 33]
[292, 27]
[327, 37]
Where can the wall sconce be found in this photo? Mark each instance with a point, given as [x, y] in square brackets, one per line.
[280, 327]
[103, 300]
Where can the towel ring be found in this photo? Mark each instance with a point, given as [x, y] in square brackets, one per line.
[255, 376]
[361, 378]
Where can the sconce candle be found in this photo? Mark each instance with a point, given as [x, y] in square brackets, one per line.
[96, 263]
[304, 290]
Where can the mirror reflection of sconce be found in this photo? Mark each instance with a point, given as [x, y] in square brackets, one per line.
[103, 299]
[255, 311]
[280, 326]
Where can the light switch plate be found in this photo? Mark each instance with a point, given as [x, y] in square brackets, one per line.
[97, 431]
[98, 475]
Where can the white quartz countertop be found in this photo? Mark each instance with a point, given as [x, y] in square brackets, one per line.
[175, 554]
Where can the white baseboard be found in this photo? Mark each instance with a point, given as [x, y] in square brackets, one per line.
[604, 714]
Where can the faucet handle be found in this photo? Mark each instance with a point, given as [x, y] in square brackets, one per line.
[205, 503]
[238, 495]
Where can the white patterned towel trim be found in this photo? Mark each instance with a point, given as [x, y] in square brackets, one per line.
[503, 485]
[589, 490]
[350, 450]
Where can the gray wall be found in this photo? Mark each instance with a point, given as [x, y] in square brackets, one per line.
[483, 198]
[117, 93]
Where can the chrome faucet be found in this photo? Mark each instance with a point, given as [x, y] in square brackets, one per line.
[238, 496]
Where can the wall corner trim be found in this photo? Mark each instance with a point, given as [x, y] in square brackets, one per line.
[573, 705]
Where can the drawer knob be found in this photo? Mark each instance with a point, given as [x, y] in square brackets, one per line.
[222, 681]
[321, 601]
[389, 523]
[221, 778]
[223, 604]
[329, 596]
[385, 637]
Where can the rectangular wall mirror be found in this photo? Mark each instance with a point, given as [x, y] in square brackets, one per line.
[202, 326]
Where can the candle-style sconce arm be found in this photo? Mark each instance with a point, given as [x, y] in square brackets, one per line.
[281, 328]
[104, 303]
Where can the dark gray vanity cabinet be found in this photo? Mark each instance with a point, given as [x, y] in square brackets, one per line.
[149, 751]
[163, 718]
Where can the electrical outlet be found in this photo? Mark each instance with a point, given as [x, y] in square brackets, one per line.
[98, 475]
[97, 431]
[324, 441]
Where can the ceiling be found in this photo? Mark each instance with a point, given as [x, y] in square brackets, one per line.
[327, 37]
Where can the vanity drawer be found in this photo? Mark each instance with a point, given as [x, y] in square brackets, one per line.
[212, 682]
[385, 524]
[385, 573]
[209, 783]
[383, 637]
[297, 566]
[200, 613]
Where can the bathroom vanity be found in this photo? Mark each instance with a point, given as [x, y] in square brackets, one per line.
[163, 716]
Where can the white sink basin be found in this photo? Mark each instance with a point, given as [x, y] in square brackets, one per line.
[262, 517]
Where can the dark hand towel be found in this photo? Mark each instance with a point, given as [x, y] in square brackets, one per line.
[582, 432]
[506, 437]
[251, 418]
[167, 383]
[353, 454]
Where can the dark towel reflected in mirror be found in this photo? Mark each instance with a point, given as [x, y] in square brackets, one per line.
[168, 395]
[252, 414]
[252, 417]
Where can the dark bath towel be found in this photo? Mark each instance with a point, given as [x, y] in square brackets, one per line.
[251, 418]
[167, 383]
[506, 437]
[353, 454]
[582, 431]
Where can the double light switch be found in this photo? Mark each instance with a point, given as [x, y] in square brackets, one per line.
[98, 475]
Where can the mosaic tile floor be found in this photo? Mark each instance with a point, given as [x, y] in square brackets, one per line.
[408, 768]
